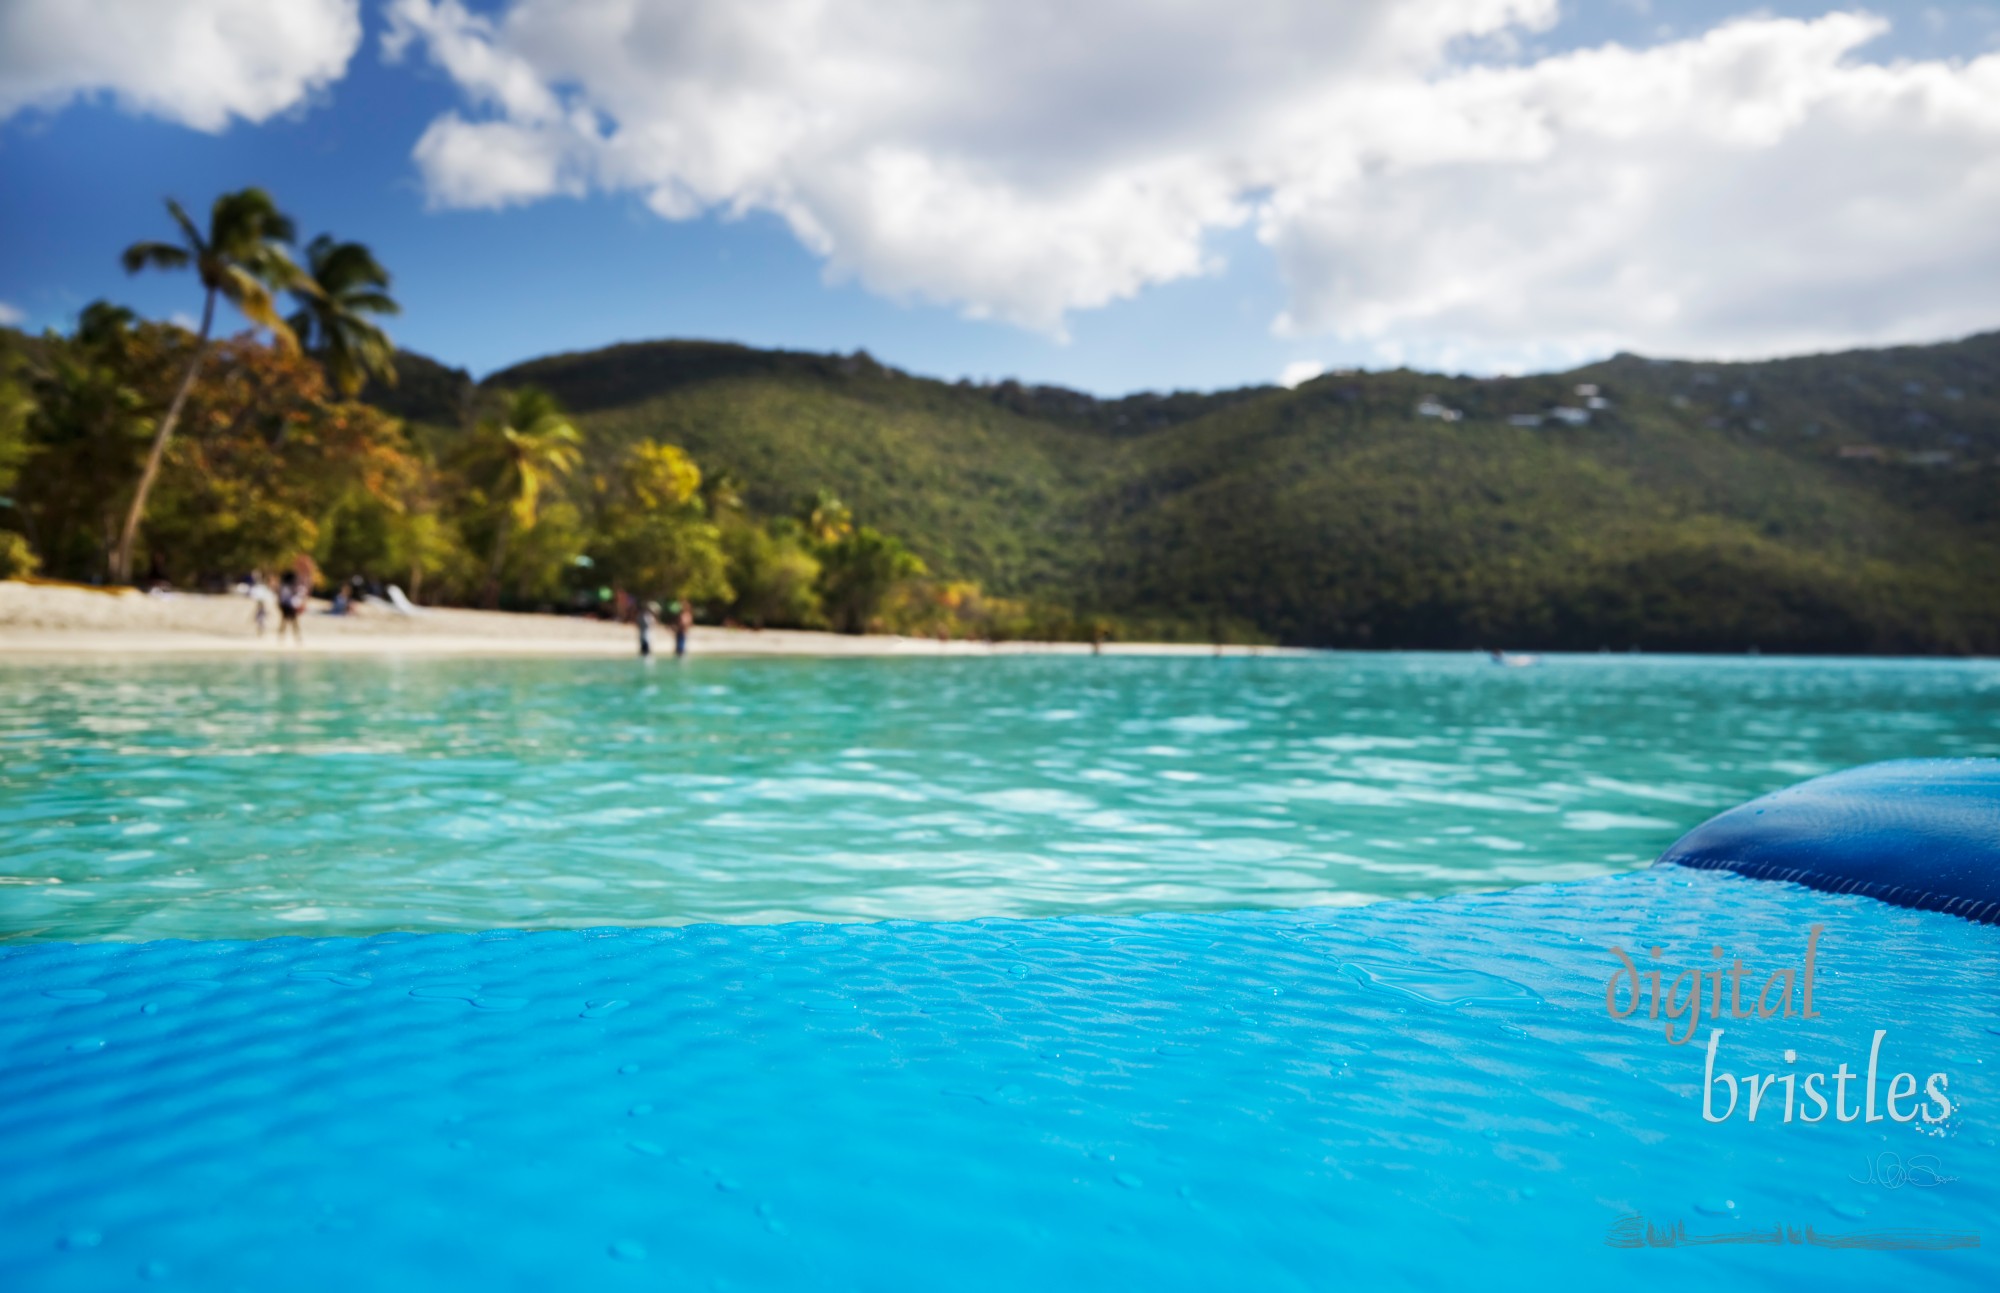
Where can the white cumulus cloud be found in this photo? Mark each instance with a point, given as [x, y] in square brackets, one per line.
[11, 316]
[197, 62]
[1425, 189]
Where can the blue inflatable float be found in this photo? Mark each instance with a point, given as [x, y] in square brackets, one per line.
[1921, 833]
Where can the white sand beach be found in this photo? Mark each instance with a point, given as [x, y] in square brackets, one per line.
[51, 621]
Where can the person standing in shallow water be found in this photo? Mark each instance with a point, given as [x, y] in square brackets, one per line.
[645, 618]
[291, 605]
[683, 621]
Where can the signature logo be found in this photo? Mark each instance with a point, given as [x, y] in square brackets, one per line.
[1893, 1172]
[1633, 1231]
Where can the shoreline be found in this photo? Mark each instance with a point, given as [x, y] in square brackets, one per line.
[45, 623]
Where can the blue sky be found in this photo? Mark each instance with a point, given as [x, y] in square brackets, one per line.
[1241, 249]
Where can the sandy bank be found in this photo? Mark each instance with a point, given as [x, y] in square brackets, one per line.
[57, 621]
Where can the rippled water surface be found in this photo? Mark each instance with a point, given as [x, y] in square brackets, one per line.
[245, 798]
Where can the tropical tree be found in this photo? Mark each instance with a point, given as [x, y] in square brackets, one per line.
[90, 423]
[347, 284]
[105, 328]
[826, 518]
[16, 407]
[279, 470]
[722, 490]
[240, 259]
[858, 571]
[774, 573]
[654, 535]
[515, 456]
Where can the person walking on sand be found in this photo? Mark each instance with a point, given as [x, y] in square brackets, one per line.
[291, 605]
[645, 618]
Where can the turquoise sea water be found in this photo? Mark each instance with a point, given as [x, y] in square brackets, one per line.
[1405, 1095]
[243, 798]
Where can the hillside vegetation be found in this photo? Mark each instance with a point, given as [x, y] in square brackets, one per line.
[1828, 503]
[1842, 502]
[1846, 502]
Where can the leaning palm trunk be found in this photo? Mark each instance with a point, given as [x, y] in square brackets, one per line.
[121, 563]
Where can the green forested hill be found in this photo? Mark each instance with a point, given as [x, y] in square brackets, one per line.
[1843, 502]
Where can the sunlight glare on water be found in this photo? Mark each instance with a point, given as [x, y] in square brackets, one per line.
[245, 798]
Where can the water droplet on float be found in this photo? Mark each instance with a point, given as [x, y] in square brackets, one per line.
[628, 1250]
[639, 1111]
[87, 1044]
[153, 1271]
[1850, 1211]
[1716, 1207]
[646, 1147]
[599, 1009]
[78, 995]
[498, 1003]
[628, 1068]
[80, 1239]
[1491, 1133]
[1128, 1180]
[150, 1008]
[1018, 971]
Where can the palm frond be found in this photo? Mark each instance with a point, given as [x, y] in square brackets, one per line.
[281, 333]
[250, 295]
[354, 350]
[271, 264]
[342, 266]
[189, 230]
[371, 303]
[159, 255]
[528, 497]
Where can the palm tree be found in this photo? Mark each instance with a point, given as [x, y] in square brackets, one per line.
[348, 283]
[528, 446]
[241, 260]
